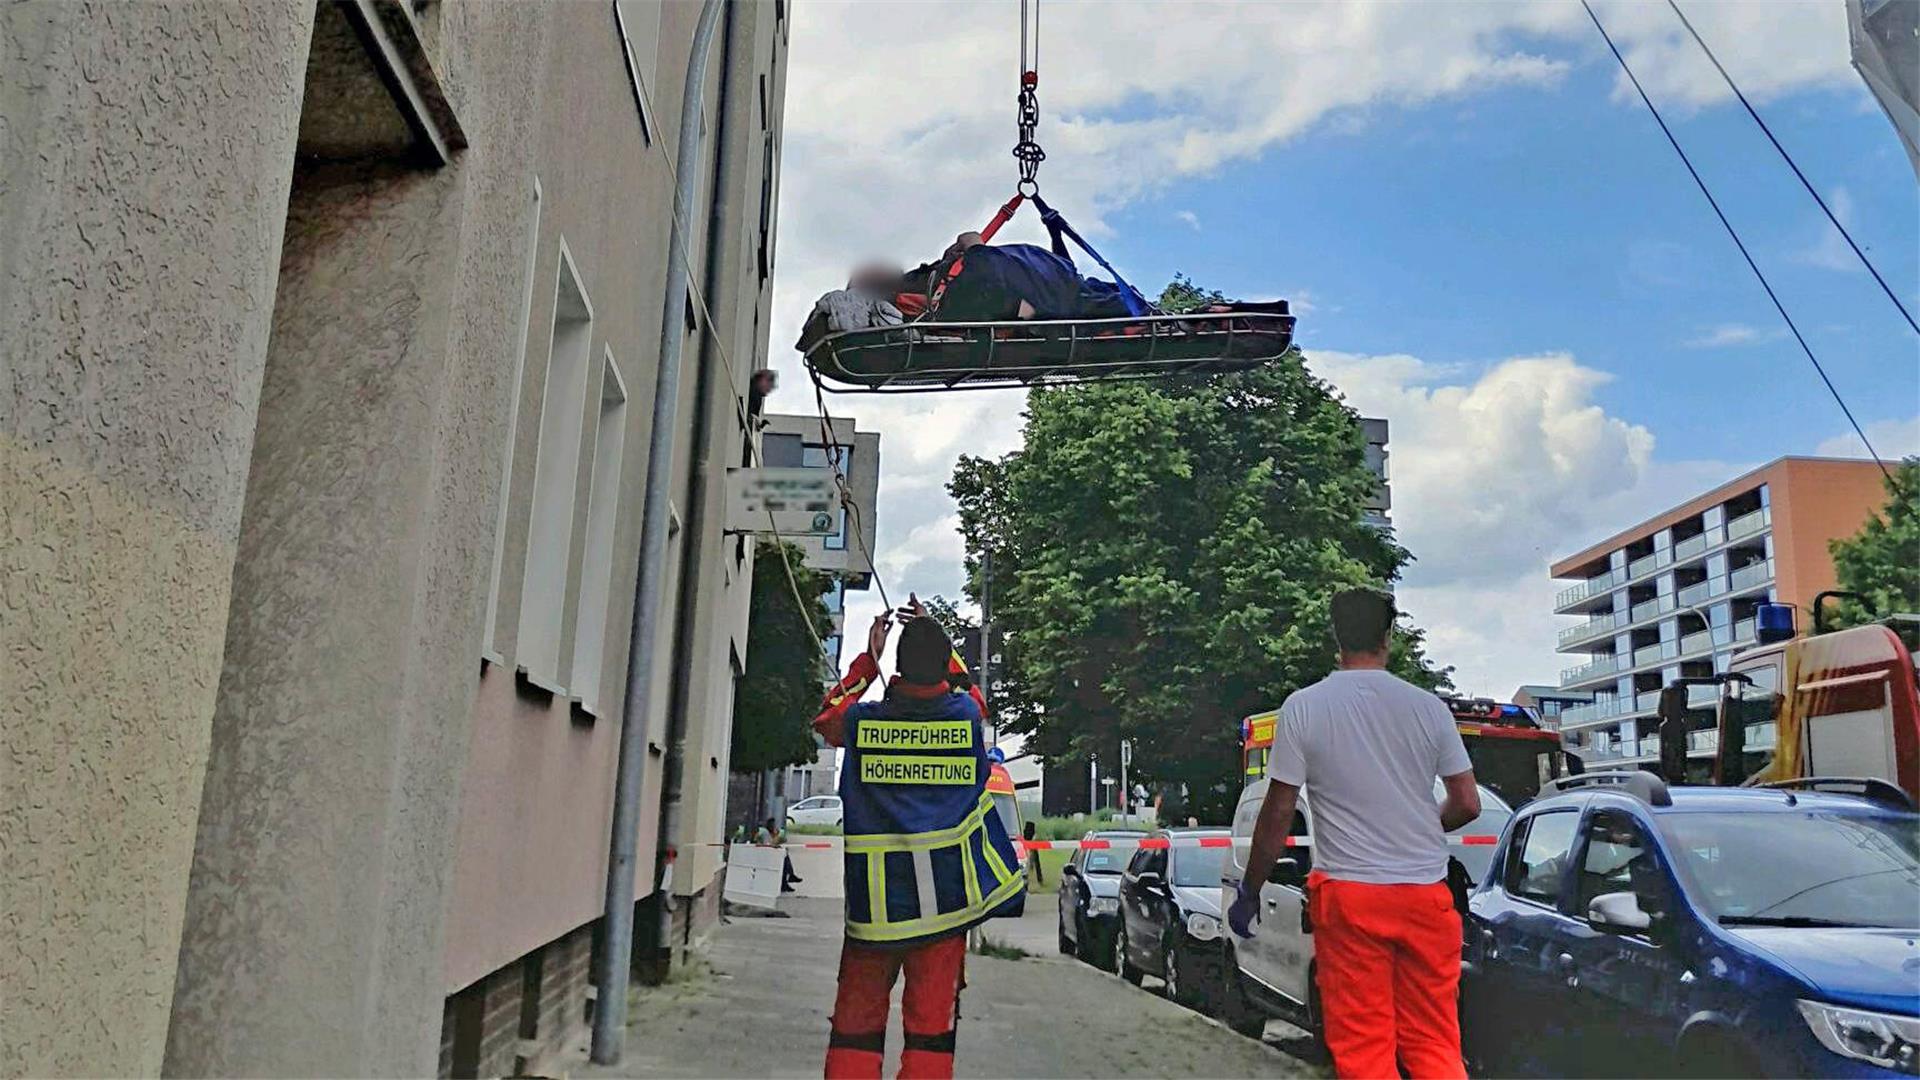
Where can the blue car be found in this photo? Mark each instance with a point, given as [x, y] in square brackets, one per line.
[1632, 929]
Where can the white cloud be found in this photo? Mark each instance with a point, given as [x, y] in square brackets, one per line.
[1830, 251]
[1495, 473]
[1733, 334]
[1892, 438]
[1191, 219]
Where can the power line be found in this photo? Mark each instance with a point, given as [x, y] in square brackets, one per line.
[1791, 164]
[1737, 242]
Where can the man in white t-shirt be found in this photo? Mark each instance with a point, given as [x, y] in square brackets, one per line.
[1386, 935]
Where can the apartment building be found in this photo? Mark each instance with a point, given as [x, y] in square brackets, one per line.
[1675, 595]
[847, 554]
[332, 333]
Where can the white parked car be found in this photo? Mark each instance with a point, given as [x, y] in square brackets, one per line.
[818, 810]
[1272, 974]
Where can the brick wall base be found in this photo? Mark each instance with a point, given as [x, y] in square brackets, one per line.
[515, 1019]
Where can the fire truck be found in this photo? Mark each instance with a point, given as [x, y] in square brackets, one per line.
[1832, 704]
[1511, 753]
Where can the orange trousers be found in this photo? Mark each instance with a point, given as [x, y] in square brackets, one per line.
[929, 1009]
[1387, 962]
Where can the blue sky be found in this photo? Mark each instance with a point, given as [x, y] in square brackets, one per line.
[1488, 240]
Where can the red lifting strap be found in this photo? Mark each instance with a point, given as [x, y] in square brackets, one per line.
[1005, 215]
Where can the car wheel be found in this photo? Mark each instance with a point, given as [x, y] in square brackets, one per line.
[1066, 943]
[1716, 1054]
[1127, 970]
[1237, 1011]
[1179, 988]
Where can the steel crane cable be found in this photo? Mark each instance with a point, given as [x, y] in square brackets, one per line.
[1026, 150]
[1791, 164]
[1737, 242]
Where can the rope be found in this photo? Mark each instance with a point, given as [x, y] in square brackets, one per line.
[1791, 164]
[1737, 242]
[833, 447]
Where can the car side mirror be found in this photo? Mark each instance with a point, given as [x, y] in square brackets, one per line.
[1618, 913]
[1149, 880]
[1286, 871]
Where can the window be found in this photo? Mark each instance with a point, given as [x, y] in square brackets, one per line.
[781, 451]
[543, 591]
[603, 511]
[1617, 859]
[488, 646]
[1535, 869]
[837, 540]
[639, 28]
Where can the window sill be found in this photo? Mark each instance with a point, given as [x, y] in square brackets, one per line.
[527, 680]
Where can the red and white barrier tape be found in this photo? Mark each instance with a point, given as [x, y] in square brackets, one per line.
[1152, 843]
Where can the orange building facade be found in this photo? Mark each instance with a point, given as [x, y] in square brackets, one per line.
[1676, 594]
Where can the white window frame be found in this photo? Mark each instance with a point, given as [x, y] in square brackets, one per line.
[643, 60]
[603, 516]
[556, 468]
[489, 646]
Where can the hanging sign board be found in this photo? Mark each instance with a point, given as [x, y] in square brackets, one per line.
[803, 502]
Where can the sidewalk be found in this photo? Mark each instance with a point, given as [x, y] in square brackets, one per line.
[759, 1005]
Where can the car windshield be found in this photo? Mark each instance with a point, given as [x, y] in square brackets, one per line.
[1198, 867]
[1107, 861]
[1815, 868]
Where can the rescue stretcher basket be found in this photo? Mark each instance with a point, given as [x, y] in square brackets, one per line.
[928, 356]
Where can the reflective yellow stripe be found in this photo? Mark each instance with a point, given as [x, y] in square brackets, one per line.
[966, 871]
[912, 928]
[914, 841]
[914, 735]
[876, 887]
[918, 769]
[1000, 870]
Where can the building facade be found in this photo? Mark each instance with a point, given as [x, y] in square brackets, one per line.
[332, 333]
[1675, 595]
[1548, 702]
[800, 442]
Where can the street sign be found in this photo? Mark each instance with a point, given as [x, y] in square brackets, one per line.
[801, 501]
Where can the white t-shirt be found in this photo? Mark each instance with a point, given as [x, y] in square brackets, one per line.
[1367, 746]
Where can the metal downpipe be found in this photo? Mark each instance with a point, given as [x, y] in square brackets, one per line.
[614, 963]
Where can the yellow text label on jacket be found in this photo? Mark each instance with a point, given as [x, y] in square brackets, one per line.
[914, 735]
[909, 769]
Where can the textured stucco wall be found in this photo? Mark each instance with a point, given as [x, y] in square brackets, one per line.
[137, 251]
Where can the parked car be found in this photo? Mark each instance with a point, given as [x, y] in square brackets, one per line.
[1090, 899]
[1634, 929]
[1170, 917]
[1272, 974]
[818, 810]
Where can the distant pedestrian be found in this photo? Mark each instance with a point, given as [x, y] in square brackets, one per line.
[1386, 932]
[1027, 831]
[769, 835]
[927, 857]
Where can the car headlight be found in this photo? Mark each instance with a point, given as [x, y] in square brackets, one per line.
[1892, 1042]
[1103, 905]
[1202, 926]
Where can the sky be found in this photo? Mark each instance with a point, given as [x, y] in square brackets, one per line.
[1485, 236]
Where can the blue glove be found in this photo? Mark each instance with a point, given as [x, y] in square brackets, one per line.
[1244, 913]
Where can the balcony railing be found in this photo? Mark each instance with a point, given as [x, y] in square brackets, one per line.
[1641, 567]
[1743, 631]
[1592, 628]
[1606, 665]
[1747, 524]
[1699, 641]
[1587, 714]
[1688, 548]
[1647, 654]
[1695, 593]
[1593, 586]
[1752, 575]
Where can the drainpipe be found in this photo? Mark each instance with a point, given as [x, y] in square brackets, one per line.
[697, 566]
[615, 959]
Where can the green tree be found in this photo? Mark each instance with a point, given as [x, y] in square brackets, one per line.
[1163, 556]
[786, 671]
[1882, 560]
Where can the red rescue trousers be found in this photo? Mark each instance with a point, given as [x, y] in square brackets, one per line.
[929, 1009]
[1387, 962]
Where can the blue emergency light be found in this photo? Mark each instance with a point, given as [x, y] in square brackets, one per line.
[996, 755]
[1773, 622]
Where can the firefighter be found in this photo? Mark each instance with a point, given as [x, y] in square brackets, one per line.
[926, 855]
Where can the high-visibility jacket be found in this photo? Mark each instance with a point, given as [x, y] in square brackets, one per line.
[926, 855]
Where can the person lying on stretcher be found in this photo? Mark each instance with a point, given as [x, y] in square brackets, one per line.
[1002, 282]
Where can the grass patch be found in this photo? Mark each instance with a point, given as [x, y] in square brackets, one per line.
[814, 830]
[1050, 864]
[1000, 950]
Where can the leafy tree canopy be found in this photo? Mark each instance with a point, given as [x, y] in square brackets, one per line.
[1882, 560]
[786, 673]
[1163, 557]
